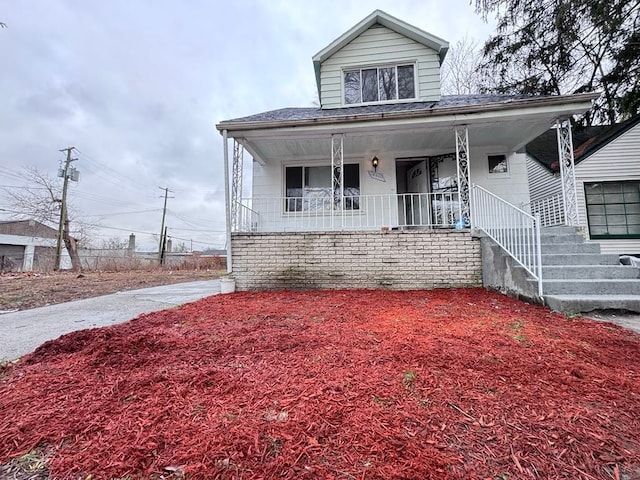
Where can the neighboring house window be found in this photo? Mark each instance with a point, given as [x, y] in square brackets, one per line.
[498, 164]
[308, 189]
[613, 209]
[379, 84]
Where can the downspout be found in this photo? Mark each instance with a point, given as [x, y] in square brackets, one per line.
[227, 209]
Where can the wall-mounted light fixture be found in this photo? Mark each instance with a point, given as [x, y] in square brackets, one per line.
[374, 162]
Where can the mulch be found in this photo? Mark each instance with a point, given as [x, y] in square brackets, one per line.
[352, 384]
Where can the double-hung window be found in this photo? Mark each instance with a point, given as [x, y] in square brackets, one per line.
[308, 189]
[613, 209]
[379, 84]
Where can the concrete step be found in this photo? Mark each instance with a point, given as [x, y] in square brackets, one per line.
[581, 272]
[572, 238]
[590, 286]
[551, 248]
[580, 259]
[588, 303]
[559, 230]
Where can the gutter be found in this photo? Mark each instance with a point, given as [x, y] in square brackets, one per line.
[408, 114]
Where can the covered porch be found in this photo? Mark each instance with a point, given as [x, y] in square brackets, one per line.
[413, 183]
[381, 173]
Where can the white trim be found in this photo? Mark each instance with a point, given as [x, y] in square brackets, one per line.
[491, 174]
[416, 93]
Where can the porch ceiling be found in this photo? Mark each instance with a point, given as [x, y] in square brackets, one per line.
[412, 138]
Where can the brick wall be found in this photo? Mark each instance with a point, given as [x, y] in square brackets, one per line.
[398, 260]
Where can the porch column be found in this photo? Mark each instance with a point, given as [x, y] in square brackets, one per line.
[236, 184]
[567, 172]
[462, 164]
[337, 176]
[227, 204]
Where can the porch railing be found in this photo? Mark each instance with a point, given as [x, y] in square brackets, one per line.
[361, 212]
[550, 209]
[516, 231]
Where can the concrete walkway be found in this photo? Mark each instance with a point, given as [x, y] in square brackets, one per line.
[22, 332]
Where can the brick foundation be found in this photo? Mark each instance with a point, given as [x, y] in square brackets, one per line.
[399, 260]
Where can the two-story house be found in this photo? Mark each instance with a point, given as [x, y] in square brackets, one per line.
[379, 185]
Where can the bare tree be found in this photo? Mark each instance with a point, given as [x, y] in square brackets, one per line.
[40, 200]
[115, 243]
[460, 70]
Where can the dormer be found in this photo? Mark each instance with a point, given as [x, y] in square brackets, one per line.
[380, 60]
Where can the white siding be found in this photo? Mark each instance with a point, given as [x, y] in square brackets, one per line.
[512, 187]
[542, 183]
[617, 161]
[380, 45]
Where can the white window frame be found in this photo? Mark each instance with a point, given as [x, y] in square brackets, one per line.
[506, 174]
[346, 69]
[317, 163]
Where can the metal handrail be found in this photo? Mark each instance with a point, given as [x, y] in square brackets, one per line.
[513, 229]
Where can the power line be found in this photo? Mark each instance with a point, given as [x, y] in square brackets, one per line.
[114, 214]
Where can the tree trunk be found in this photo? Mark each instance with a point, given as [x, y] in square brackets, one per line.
[72, 247]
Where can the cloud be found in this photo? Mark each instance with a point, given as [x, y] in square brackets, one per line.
[138, 87]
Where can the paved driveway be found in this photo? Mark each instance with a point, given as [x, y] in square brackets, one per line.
[21, 332]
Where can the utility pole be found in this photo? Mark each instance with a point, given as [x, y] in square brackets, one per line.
[162, 229]
[68, 174]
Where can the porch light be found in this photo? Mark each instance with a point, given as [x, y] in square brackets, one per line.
[374, 162]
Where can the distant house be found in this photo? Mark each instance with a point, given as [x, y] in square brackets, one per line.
[27, 244]
[607, 173]
[387, 182]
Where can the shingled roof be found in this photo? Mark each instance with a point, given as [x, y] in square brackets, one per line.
[447, 101]
[586, 141]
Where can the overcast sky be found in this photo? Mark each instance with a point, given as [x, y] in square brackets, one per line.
[138, 85]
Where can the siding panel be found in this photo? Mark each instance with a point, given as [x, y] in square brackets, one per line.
[617, 161]
[376, 46]
[542, 183]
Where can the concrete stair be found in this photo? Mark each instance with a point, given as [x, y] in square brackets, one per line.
[578, 278]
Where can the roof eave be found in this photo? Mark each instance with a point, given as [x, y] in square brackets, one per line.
[578, 102]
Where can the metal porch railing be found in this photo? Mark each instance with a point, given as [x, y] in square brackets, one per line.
[361, 212]
[513, 229]
[550, 209]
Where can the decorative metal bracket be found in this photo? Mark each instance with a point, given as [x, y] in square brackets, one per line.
[567, 172]
[337, 171]
[462, 163]
[236, 184]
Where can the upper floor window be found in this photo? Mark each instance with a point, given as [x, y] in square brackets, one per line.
[379, 84]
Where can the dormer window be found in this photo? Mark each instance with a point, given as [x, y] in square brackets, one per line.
[379, 84]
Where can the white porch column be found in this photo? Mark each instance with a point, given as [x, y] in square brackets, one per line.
[227, 204]
[337, 176]
[236, 184]
[462, 163]
[27, 259]
[567, 172]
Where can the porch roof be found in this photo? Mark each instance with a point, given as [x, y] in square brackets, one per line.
[504, 122]
[447, 105]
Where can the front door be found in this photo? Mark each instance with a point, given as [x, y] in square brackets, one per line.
[416, 199]
[444, 189]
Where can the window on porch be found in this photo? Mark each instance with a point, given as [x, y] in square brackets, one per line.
[308, 188]
[613, 209]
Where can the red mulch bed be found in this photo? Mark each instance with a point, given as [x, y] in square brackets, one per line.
[333, 384]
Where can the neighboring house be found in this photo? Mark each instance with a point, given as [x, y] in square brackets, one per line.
[607, 173]
[27, 244]
[376, 186]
